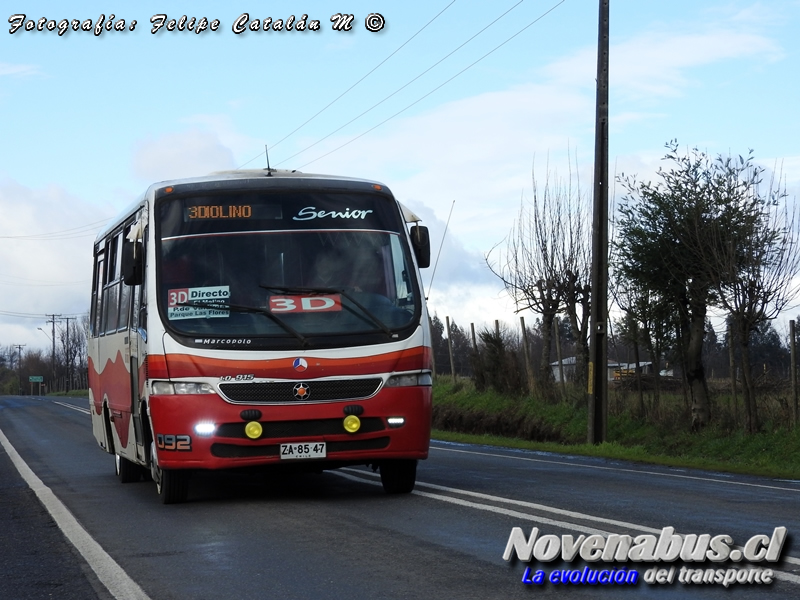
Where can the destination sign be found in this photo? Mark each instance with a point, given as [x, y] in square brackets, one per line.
[204, 212]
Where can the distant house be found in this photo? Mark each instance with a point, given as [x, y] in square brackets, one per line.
[630, 369]
[616, 370]
[570, 366]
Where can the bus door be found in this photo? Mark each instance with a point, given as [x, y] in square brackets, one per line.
[136, 336]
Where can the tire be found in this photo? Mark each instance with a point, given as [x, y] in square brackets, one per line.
[173, 486]
[398, 476]
[127, 471]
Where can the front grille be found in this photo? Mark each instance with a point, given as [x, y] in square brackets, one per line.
[235, 451]
[290, 429]
[318, 391]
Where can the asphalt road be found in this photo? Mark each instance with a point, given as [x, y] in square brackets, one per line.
[337, 535]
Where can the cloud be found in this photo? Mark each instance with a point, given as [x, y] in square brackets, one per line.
[655, 64]
[456, 266]
[10, 69]
[44, 274]
[478, 151]
[787, 168]
[222, 126]
[182, 154]
[764, 15]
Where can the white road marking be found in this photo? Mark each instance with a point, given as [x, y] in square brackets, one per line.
[620, 469]
[73, 407]
[495, 509]
[107, 569]
[530, 517]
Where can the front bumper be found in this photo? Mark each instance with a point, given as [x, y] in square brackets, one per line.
[179, 446]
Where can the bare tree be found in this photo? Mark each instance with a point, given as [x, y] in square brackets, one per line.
[72, 340]
[544, 265]
[630, 301]
[576, 262]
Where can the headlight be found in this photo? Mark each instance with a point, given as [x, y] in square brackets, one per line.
[205, 428]
[193, 388]
[181, 387]
[409, 380]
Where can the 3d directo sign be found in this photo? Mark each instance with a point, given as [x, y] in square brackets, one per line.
[647, 548]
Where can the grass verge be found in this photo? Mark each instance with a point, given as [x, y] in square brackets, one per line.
[72, 394]
[462, 414]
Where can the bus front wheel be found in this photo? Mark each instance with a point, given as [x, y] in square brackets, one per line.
[172, 485]
[398, 476]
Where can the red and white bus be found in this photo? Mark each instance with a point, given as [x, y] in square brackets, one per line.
[261, 317]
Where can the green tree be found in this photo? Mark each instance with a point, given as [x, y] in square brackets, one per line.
[754, 266]
[441, 359]
[672, 234]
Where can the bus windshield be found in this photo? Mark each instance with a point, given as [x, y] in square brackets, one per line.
[291, 266]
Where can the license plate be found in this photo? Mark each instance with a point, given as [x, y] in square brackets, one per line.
[305, 450]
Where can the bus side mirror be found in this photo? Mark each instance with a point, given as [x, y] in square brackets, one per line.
[421, 242]
[132, 263]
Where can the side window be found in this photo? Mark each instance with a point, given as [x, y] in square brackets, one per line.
[112, 264]
[136, 299]
[399, 280]
[111, 293]
[124, 305]
[97, 293]
[112, 300]
[126, 291]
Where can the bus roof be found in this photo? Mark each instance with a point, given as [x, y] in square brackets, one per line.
[235, 174]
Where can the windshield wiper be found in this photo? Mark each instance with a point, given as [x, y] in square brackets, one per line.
[250, 309]
[321, 290]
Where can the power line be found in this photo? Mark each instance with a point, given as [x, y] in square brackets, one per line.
[35, 280]
[445, 57]
[332, 102]
[71, 233]
[367, 75]
[540, 17]
[22, 315]
[17, 284]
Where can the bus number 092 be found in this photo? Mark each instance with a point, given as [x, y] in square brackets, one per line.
[180, 443]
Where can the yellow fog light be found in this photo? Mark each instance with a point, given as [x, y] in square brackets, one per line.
[352, 423]
[253, 430]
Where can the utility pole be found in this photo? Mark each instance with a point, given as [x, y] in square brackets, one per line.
[598, 341]
[68, 355]
[19, 348]
[53, 355]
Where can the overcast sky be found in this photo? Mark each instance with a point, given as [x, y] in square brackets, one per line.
[467, 105]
